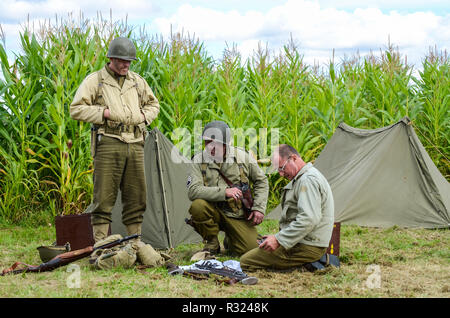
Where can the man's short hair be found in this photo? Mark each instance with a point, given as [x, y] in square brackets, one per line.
[284, 151]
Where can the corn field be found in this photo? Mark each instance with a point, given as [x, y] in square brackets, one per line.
[45, 163]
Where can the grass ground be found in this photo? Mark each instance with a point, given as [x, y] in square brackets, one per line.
[391, 262]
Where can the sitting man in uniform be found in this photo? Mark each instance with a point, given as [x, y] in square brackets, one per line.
[307, 217]
[217, 204]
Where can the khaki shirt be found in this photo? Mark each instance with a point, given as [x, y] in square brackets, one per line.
[307, 215]
[214, 190]
[127, 103]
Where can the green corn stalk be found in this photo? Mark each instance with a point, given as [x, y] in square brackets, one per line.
[20, 110]
[433, 122]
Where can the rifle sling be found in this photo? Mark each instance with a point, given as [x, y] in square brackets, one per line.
[13, 268]
[226, 179]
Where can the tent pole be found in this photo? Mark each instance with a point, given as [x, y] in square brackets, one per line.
[169, 237]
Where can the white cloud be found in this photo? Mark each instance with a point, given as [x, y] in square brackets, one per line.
[209, 24]
[414, 5]
[17, 10]
[15, 15]
[317, 28]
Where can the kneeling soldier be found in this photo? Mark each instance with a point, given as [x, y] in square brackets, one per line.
[217, 201]
[307, 217]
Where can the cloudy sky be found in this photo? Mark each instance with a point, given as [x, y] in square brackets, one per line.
[317, 26]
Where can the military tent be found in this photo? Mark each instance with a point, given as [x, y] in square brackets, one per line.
[166, 172]
[383, 177]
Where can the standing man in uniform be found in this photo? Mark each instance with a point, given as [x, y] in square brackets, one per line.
[216, 204]
[120, 104]
[307, 217]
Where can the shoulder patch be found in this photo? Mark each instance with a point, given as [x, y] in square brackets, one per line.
[189, 181]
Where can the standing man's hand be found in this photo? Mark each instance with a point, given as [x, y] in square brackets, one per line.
[256, 216]
[106, 113]
[270, 243]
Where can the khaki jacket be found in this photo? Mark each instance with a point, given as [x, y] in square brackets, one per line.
[214, 188]
[128, 105]
[307, 215]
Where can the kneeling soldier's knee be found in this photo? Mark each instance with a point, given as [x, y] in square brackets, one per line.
[199, 210]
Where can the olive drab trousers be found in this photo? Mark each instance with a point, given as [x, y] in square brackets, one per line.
[118, 165]
[241, 235]
[281, 258]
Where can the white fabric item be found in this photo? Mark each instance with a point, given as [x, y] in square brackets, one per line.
[232, 264]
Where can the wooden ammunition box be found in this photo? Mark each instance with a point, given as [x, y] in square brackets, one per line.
[75, 229]
[333, 248]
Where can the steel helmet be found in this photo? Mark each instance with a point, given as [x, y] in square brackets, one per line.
[217, 131]
[122, 48]
[46, 253]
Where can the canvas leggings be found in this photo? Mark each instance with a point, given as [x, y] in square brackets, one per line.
[118, 165]
[241, 235]
[281, 258]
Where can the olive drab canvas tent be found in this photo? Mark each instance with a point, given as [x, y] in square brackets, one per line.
[383, 177]
[166, 173]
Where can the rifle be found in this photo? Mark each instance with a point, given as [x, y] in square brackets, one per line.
[63, 259]
[207, 267]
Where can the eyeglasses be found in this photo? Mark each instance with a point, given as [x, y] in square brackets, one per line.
[284, 165]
